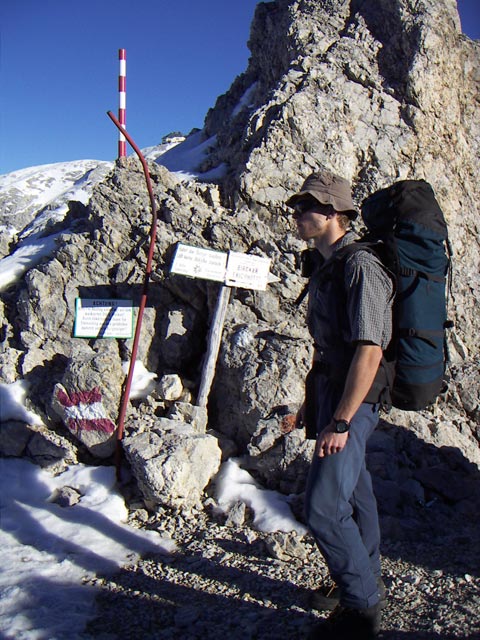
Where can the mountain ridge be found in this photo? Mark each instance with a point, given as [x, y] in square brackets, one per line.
[333, 97]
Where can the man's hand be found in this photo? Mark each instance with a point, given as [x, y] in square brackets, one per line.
[329, 442]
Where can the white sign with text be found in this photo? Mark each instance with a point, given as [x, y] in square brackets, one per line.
[103, 318]
[233, 268]
[200, 263]
[249, 272]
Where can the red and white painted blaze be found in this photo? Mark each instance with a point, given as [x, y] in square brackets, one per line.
[122, 98]
[84, 411]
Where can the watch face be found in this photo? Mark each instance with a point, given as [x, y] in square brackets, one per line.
[341, 426]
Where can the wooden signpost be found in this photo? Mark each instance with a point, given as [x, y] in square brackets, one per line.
[233, 269]
[213, 345]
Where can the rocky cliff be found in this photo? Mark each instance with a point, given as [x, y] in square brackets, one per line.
[376, 91]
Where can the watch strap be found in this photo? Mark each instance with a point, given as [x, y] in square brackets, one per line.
[341, 425]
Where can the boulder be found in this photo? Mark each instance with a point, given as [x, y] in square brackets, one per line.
[172, 467]
[88, 398]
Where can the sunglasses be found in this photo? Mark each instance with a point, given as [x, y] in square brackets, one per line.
[302, 206]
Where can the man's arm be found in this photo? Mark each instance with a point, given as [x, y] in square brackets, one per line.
[360, 377]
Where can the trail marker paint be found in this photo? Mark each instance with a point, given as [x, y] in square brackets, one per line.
[122, 101]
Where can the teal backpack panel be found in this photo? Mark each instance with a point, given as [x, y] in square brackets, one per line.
[407, 219]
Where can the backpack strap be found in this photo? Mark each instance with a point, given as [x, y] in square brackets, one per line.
[380, 391]
[411, 273]
[310, 259]
[302, 296]
[422, 334]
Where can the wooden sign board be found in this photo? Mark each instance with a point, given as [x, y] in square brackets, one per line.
[103, 318]
[199, 263]
[234, 269]
[249, 272]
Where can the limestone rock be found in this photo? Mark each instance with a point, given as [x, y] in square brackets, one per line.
[236, 515]
[88, 398]
[186, 412]
[170, 387]
[172, 467]
[14, 436]
[280, 460]
[286, 546]
[376, 92]
[66, 497]
[50, 450]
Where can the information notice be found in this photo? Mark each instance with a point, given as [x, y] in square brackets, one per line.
[249, 272]
[233, 268]
[103, 318]
[200, 263]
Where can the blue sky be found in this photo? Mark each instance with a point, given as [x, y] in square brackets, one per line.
[59, 71]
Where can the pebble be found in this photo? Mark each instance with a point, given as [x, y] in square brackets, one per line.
[224, 583]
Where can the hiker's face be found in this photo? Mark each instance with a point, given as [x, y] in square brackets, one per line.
[311, 217]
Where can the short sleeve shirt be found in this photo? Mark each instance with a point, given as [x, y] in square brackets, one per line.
[369, 297]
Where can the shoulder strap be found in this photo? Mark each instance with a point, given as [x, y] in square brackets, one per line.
[302, 296]
[373, 247]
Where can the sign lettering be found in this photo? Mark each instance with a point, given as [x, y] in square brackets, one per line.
[233, 268]
[105, 318]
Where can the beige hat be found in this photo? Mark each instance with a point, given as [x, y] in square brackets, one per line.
[327, 188]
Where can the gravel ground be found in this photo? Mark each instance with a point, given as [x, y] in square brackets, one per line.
[237, 583]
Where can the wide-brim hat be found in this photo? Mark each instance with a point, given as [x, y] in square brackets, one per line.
[327, 188]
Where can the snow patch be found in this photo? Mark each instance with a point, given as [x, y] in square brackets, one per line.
[272, 512]
[12, 403]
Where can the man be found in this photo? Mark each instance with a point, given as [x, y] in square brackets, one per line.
[349, 318]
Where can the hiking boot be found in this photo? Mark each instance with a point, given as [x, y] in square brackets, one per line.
[349, 624]
[327, 597]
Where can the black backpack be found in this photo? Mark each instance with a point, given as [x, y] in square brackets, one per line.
[407, 230]
[407, 219]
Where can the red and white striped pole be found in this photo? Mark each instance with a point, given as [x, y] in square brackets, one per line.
[122, 105]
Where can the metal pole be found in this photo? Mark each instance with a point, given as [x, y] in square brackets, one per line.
[143, 300]
[122, 101]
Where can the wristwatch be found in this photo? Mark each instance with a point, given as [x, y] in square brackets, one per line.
[341, 426]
